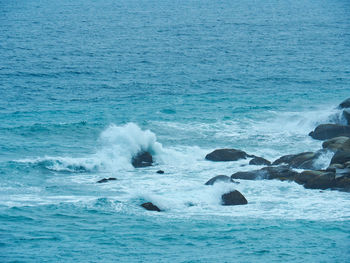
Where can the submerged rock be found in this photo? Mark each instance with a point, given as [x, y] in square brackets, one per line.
[105, 180]
[337, 143]
[328, 131]
[142, 159]
[259, 161]
[345, 104]
[233, 198]
[150, 207]
[226, 155]
[219, 178]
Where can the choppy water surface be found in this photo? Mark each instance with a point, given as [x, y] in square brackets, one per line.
[85, 85]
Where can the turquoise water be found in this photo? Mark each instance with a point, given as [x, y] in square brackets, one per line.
[84, 85]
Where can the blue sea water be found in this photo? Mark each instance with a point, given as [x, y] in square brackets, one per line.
[85, 85]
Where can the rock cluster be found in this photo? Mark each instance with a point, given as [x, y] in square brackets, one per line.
[336, 176]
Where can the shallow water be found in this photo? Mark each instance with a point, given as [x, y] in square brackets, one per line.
[85, 85]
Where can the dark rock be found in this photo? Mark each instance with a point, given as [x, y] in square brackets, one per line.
[250, 175]
[300, 161]
[345, 104]
[333, 167]
[233, 198]
[328, 131]
[105, 180]
[306, 176]
[337, 143]
[323, 181]
[340, 157]
[259, 161]
[151, 207]
[319, 179]
[142, 159]
[346, 116]
[282, 172]
[219, 178]
[160, 172]
[342, 180]
[226, 155]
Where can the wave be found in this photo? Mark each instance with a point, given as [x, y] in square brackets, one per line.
[118, 144]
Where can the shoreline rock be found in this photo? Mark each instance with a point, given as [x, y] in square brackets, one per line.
[329, 131]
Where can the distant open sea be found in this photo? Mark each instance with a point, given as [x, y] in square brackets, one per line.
[85, 85]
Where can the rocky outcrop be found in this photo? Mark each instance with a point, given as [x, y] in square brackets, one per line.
[150, 207]
[233, 198]
[142, 159]
[282, 172]
[259, 161]
[219, 178]
[328, 131]
[345, 104]
[299, 161]
[341, 157]
[105, 180]
[337, 143]
[226, 155]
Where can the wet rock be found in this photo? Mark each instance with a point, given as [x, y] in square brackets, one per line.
[259, 161]
[142, 159]
[341, 157]
[105, 180]
[300, 161]
[320, 179]
[328, 131]
[150, 207]
[337, 143]
[233, 198]
[219, 178]
[226, 155]
[323, 181]
[250, 175]
[160, 172]
[282, 172]
[345, 104]
[342, 180]
[306, 176]
[335, 166]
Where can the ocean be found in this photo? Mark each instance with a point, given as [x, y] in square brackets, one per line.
[86, 85]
